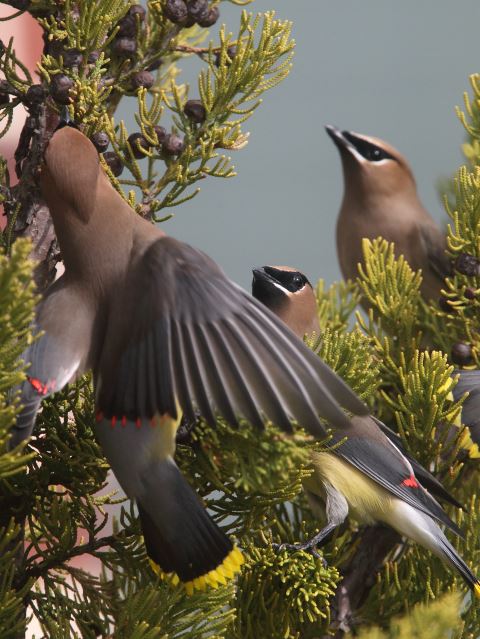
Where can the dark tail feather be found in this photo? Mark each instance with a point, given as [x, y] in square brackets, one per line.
[457, 562]
[469, 382]
[180, 536]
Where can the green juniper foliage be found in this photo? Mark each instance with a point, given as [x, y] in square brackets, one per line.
[16, 313]
[436, 621]
[55, 507]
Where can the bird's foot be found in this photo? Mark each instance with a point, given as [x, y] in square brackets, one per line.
[308, 546]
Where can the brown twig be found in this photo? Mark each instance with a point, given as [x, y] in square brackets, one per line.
[89, 548]
[184, 48]
[25, 207]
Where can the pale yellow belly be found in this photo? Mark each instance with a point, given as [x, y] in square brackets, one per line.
[367, 500]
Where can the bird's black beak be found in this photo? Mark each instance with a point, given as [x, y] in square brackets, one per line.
[334, 133]
[259, 273]
[260, 280]
[265, 287]
[264, 274]
[339, 137]
[349, 144]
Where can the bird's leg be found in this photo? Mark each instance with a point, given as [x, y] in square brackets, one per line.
[336, 510]
[312, 544]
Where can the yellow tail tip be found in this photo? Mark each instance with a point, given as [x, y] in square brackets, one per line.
[476, 589]
[229, 567]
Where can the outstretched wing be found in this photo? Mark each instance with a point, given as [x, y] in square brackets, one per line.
[378, 458]
[62, 328]
[181, 331]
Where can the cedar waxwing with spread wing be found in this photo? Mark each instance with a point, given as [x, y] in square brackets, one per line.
[369, 474]
[164, 331]
[380, 199]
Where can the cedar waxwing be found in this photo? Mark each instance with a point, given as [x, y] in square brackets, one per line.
[277, 287]
[164, 331]
[369, 473]
[380, 199]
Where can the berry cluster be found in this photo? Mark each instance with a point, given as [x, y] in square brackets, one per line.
[182, 12]
[169, 144]
[125, 43]
[189, 12]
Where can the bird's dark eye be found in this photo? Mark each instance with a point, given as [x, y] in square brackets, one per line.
[293, 281]
[375, 154]
[368, 150]
[298, 281]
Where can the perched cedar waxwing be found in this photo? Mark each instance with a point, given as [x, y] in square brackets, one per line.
[380, 198]
[369, 473]
[164, 331]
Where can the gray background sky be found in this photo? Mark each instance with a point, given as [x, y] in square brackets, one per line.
[395, 70]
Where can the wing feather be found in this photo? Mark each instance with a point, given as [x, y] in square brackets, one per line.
[165, 387]
[198, 380]
[212, 358]
[238, 382]
[388, 467]
[215, 349]
[58, 354]
[182, 387]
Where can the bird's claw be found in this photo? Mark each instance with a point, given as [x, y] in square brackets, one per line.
[307, 547]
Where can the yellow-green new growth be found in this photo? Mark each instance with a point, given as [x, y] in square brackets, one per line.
[435, 621]
[269, 580]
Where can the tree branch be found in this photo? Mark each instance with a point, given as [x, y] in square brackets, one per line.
[25, 208]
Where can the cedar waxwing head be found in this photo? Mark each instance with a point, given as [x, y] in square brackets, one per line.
[287, 293]
[70, 173]
[371, 167]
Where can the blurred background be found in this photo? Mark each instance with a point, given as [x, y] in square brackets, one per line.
[392, 70]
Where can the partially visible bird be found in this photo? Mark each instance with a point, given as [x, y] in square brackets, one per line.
[380, 199]
[289, 294]
[164, 331]
[469, 382]
[370, 474]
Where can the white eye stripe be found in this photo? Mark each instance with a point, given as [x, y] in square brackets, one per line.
[354, 152]
[287, 292]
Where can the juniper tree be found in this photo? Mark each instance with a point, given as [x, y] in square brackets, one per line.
[54, 503]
